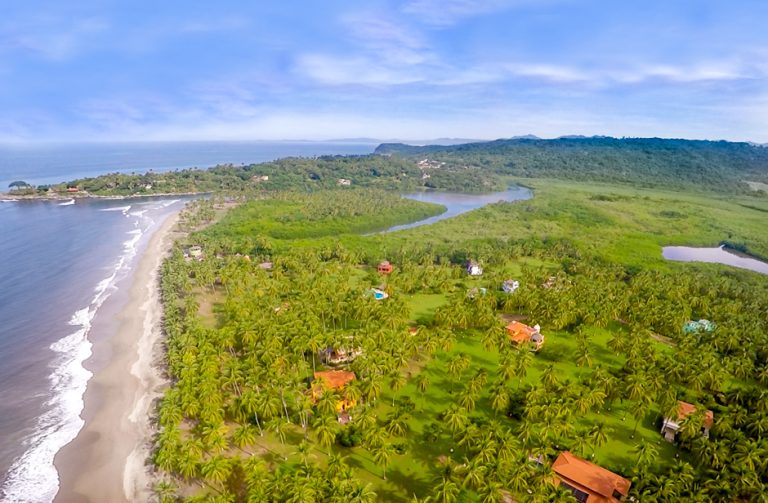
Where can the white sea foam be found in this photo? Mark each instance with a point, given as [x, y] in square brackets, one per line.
[33, 477]
[124, 209]
[67, 203]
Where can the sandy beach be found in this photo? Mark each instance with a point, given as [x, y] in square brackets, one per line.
[106, 461]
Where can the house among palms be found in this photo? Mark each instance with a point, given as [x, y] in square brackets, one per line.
[474, 269]
[336, 356]
[692, 327]
[510, 285]
[670, 427]
[333, 380]
[588, 482]
[384, 267]
[520, 333]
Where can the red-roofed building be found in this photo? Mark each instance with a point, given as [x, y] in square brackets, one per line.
[384, 268]
[588, 482]
[335, 380]
[520, 333]
[671, 426]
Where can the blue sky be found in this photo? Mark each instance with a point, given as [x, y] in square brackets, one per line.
[413, 69]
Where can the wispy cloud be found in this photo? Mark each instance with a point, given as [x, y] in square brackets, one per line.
[449, 12]
[50, 37]
[340, 70]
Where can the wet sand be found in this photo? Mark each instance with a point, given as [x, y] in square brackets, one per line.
[106, 461]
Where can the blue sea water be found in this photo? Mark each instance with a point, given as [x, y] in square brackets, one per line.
[60, 264]
[51, 163]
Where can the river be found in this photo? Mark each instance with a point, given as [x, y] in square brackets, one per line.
[713, 255]
[457, 203]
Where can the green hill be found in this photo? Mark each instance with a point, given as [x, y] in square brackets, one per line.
[652, 162]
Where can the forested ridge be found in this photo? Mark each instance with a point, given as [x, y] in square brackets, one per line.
[650, 162]
[717, 166]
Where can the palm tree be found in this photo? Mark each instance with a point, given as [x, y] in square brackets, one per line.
[382, 454]
[422, 383]
[396, 383]
[217, 469]
[447, 491]
[646, 454]
[325, 428]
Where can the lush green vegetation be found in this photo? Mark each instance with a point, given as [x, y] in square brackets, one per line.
[650, 162]
[308, 174]
[451, 411]
[477, 167]
[290, 215]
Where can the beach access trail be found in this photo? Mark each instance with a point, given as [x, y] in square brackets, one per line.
[106, 461]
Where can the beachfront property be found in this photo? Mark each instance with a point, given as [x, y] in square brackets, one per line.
[510, 285]
[384, 267]
[334, 380]
[520, 333]
[588, 482]
[473, 268]
[193, 253]
[670, 427]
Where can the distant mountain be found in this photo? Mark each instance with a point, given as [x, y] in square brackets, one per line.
[436, 141]
[645, 161]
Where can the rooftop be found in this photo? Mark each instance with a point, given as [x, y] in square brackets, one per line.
[595, 478]
[335, 379]
[520, 332]
[685, 409]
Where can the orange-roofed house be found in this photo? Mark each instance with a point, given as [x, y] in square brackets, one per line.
[335, 380]
[588, 482]
[520, 333]
[671, 426]
[384, 268]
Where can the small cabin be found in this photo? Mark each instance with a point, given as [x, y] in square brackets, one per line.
[344, 182]
[384, 267]
[670, 427]
[73, 189]
[195, 251]
[510, 285]
[520, 333]
[692, 327]
[474, 269]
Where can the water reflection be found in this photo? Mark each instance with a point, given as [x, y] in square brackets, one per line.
[458, 203]
[713, 255]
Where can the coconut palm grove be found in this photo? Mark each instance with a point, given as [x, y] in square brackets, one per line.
[513, 353]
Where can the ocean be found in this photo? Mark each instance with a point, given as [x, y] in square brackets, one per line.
[63, 263]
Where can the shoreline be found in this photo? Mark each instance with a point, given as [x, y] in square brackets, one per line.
[106, 460]
[85, 195]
